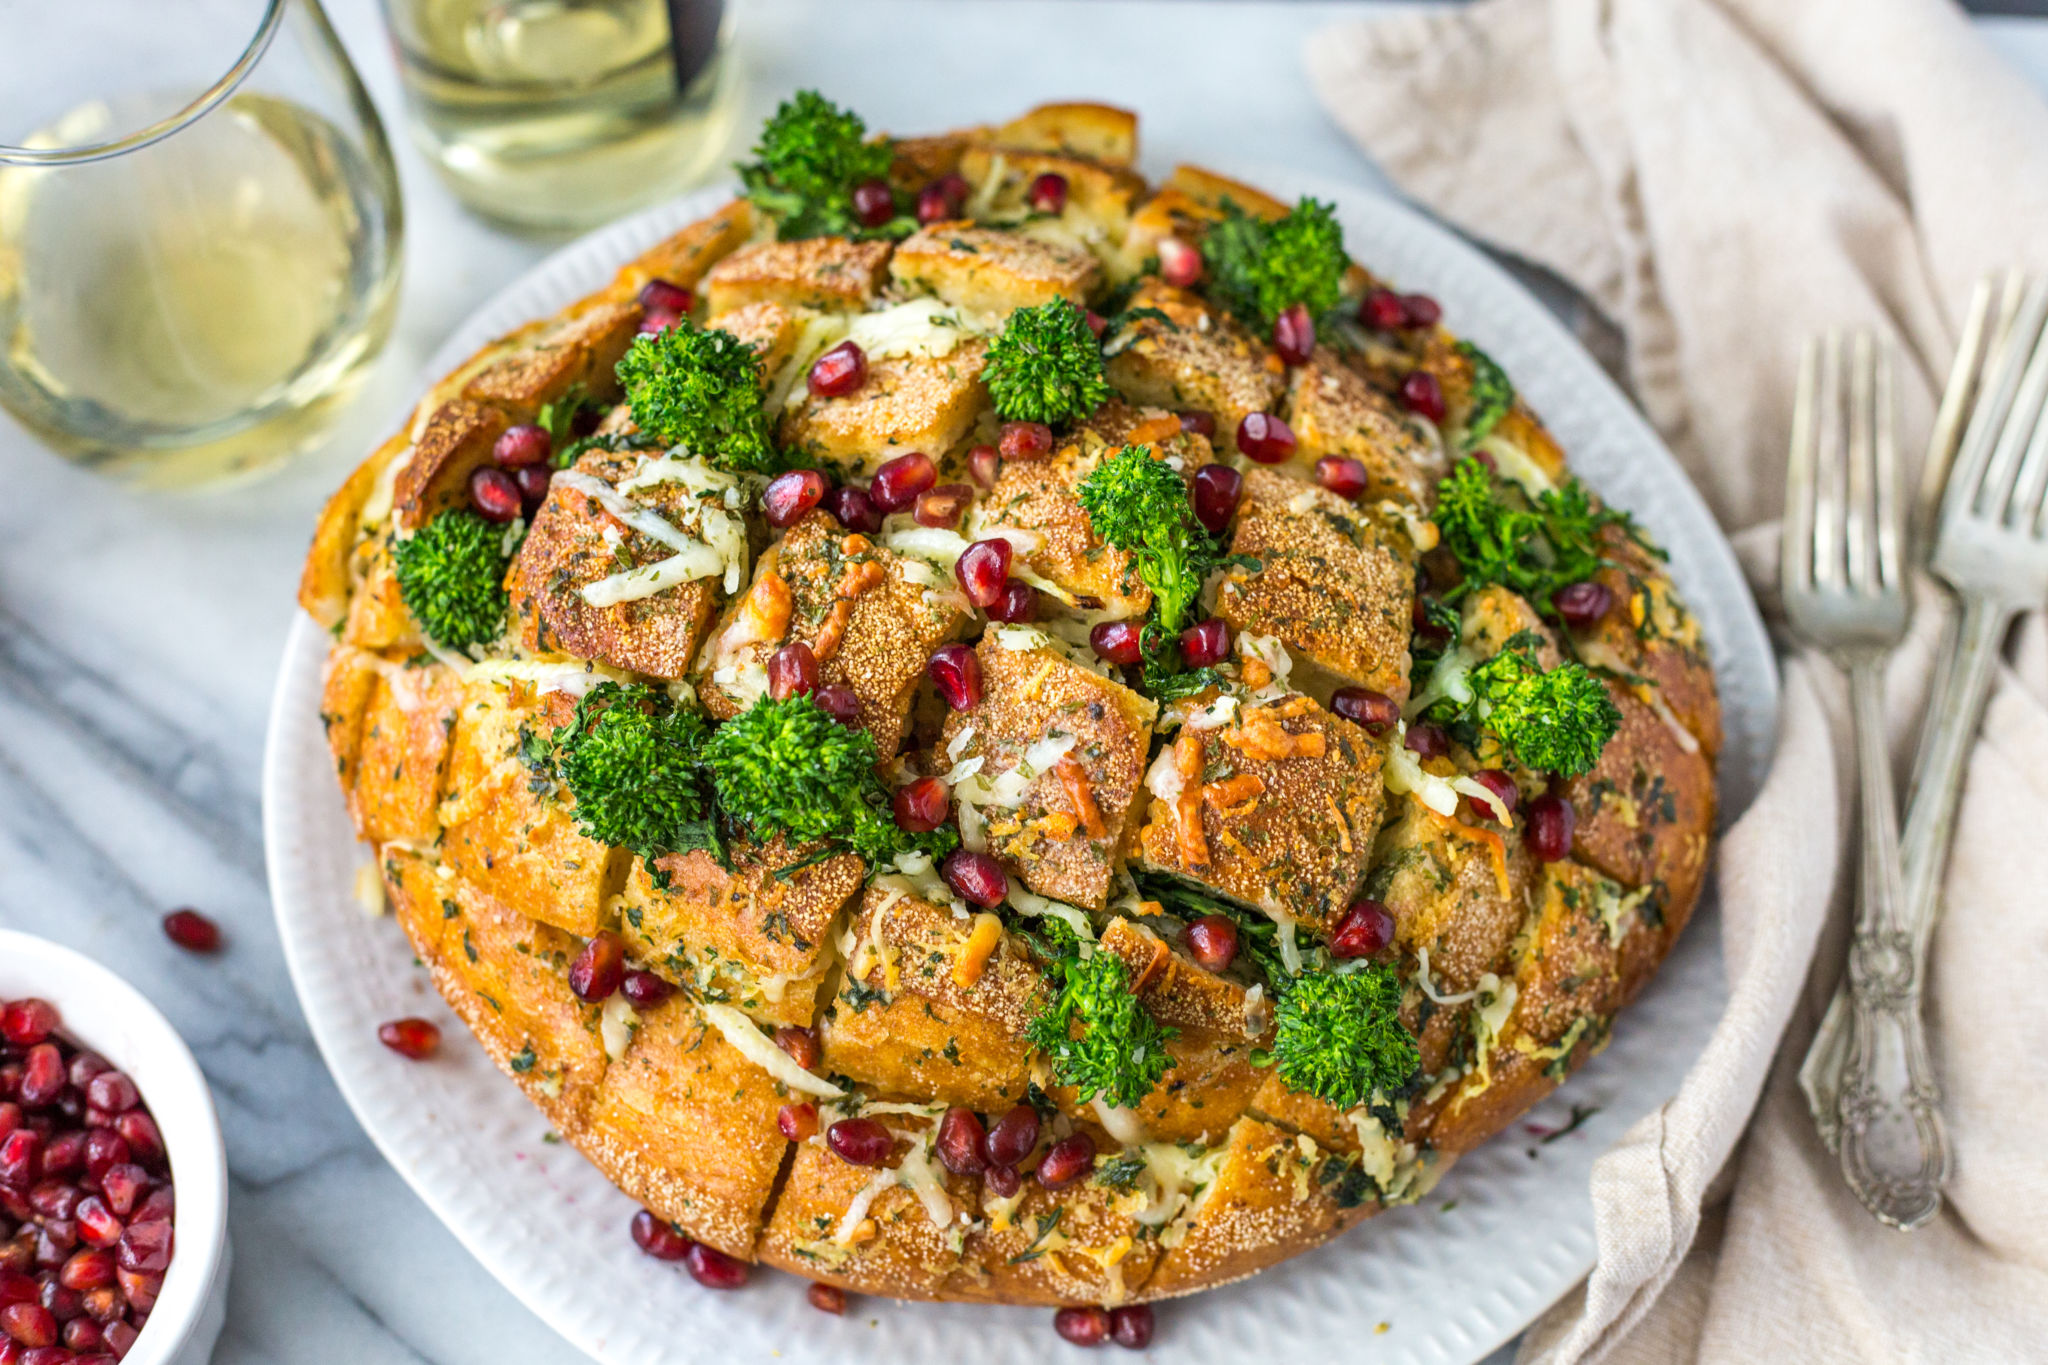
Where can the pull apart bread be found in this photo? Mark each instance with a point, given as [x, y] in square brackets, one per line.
[1240, 935]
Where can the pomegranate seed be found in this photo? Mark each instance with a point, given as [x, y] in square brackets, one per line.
[656, 322]
[494, 494]
[1048, 193]
[1218, 490]
[54, 1199]
[802, 1044]
[1180, 264]
[1265, 438]
[859, 1142]
[839, 702]
[18, 1158]
[1583, 604]
[922, 806]
[1423, 395]
[1212, 941]
[955, 671]
[1548, 827]
[104, 1150]
[15, 1287]
[982, 569]
[123, 1183]
[88, 1269]
[1131, 1326]
[1082, 1326]
[25, 1023]
[792, 671]
[658, 1237]
[145, 1247]
[1097, 324]
[1504, 790]
[1428, 741]
[1017, 603]
[103, 1305]
[1294, 335]
[1382, 310]
[599, 969]
[112, 1092]
[943, 505]
[44, 1075]
[854, 509]
[873, 203]
[839, 371]
[1068, 1160]
[1421, 310]
[1424, 625]
[797, 1121]
[897, 483]
[959, 1142]
[120, 1336]
[534, 482]
[827, 1298]
[139, 1289]
[1341, 475]
[64, 1153]
[645, 990]
[85, 1066]
[1198, 423]
[1014, 1136]
[1366, 928]
[82, 1335]
[414, 1038]
[789, 496]
[192, 931]
[97, 1226]
[661, 296]
[162, 1202]
[31, 1324]
[1024, 441]
[985, 463]
[525, 444]
[1003, 1181]
[975, 877]
[1376, 711]
[1205, 644]
[1119, 642]
[934, 205]
[10, 1118]
[54, 1241]
[714, 1269]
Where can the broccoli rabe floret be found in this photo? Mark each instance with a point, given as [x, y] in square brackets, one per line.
[1554, 722]
[1492, 395]
[451, 576]
[700, 388]
[631, 759]
[1498, 535]
[1259, 268]
[1338, 1036]
[1096, 1034]
[810, 157]
[1140, 505]
[1046, 366]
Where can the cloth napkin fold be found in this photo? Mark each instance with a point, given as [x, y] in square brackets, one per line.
[1725, 178]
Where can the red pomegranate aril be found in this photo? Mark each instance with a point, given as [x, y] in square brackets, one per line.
[161, 1202]
[1341, 475]
[853, 508]
[18, 1154]
[534, 482]
[959, 1142]
[956, 672]
[31, 1324]
[1082, 1326]
[985, 463]
[943, 505]
[1504, 791]
[1013, 1137]
[15, 1287]
[658, 1237]
[1265, 438]
[714, 1269]
[826, 1298]
[84, 1067]
[44, 1075]
[1382, 310]
[1376, 711]
[792, 671]
[1420, 310]
[1016, 604]
[1119, 642]
[97, 1225]
[54, 1241]
[120, 1336]
[1424, 625]
[599, 969]
[87, 1269]
[112, 1092]
[414, 1038]
[1069, 1159]
[1048, 193]
[145, 1248]
[1212, 942]
[897, 483]
[1218, 490]
[1024, 441]
[1180, 264]
[657, 321]
[82, 1335]
[859, 1142]
[523, 445]
[839, 371]
[873, 203]
[982, 569]
[193, 931]
[494, 494]
[123, 1183]
[1131, 1326]
[1583, 604]
[139, 1288]
[839, 702]
[54, 1199]
[789, 496]
[802, 1044]
[106, 1149]
[1548, 827]
[922, 806]
[975, 877]
[64, 1153]
[1294, 335]
[934, 205]
[10, 1117]
[1198, 423]
[1428, 740]
[1002, 1181]
[663, 296]
[25, 1023]
[1206, 643]
[103, 1305]
[797, 1122]
[645, 990]
[1097, 324]
[1423, 395]
[1365, 929]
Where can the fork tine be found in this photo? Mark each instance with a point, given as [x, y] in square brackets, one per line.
[1829, 561]
[1795, 551]
[1971, 487]
[1891, 509]
[2019, 426]
[1988, 311]
[1859, 508]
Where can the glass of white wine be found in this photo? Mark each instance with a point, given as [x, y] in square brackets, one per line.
[200, 232]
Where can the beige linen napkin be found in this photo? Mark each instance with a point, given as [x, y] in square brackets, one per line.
[1725, 178]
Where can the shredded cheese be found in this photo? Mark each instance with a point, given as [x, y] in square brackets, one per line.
[762, 1052]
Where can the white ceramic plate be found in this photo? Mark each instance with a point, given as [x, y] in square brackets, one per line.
[1505, 1234]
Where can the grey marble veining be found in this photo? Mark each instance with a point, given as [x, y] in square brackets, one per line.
[139, 636]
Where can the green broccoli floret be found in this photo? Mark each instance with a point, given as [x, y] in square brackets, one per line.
[1259, 268]
[451, 576]
[1554, 722]
[1140, 505]
[1099, 1039]
[810, 157]
[1492, 395]
[1046, 366]
[1499, 536]
[1339, 1036]
[700, 388]
[631, 759]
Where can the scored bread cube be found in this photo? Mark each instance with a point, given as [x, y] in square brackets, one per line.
[831, 273]
[990, 271]
[770, 329]
[389, 733]
[1174, 351]
[908, 403]
[554, 358]
[453, 442]
[1099, 197]
[1333, 411]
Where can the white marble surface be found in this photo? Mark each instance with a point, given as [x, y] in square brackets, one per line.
[139, 635]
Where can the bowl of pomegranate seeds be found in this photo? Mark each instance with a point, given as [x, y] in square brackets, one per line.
[113, 1180]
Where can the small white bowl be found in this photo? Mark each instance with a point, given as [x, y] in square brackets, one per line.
[106, 1014]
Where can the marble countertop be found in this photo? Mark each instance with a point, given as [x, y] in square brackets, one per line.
[139, 636]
